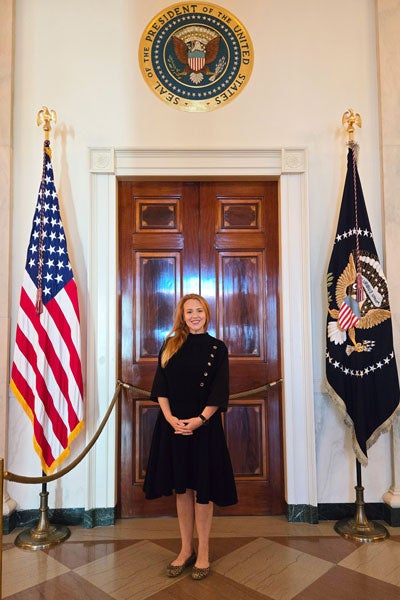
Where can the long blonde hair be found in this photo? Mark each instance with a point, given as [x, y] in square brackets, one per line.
[179, 332]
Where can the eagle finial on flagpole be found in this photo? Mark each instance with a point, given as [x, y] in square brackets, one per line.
[46, 116]
[351, 118]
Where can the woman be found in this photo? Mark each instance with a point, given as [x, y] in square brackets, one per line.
[188, 453]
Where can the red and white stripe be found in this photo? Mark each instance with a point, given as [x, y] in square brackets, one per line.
[347, 318]
[196, 63]
[46, 374]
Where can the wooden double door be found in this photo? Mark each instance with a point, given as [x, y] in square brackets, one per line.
[219, 239]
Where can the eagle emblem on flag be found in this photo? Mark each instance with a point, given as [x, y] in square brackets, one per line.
[352, 315]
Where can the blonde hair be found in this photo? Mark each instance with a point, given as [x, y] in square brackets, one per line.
[179, 332]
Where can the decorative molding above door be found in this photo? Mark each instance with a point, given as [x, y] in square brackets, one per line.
[207, 162]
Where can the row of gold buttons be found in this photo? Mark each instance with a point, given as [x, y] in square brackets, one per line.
[212, 355]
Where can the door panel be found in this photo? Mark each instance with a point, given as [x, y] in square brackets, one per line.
[220, 240]
[239, 248]
[158, 256]
[241, 285]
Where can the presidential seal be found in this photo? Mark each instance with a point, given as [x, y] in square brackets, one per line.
[196, 57]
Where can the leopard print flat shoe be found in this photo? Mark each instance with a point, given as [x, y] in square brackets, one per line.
[198, 573]
[176, 570]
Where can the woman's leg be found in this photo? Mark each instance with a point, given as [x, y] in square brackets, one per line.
[203, 518]
[185, 510]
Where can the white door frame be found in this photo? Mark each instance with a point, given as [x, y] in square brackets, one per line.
[289, 166]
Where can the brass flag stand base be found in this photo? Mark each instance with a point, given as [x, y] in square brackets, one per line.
[44, 534]
[360, 529]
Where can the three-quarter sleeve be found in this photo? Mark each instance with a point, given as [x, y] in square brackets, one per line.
[218, 391]
[160, 384]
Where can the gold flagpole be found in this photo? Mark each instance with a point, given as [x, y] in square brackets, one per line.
[43, 535]
[358, 528]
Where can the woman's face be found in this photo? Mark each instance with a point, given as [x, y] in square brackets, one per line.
[194, 316]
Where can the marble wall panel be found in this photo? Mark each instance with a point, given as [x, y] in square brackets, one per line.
[6, 99]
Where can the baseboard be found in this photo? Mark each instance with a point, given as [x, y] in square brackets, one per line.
[375, 511]
[296, 513]
[302, 513]
[95, 517]
[392, 515]
[335, 512]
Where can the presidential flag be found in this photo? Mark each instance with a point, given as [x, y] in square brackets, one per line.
[361, 367]
[46, 374]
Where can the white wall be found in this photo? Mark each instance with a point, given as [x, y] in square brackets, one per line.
[312, 62]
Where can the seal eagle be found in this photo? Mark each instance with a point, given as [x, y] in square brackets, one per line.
[195, 54]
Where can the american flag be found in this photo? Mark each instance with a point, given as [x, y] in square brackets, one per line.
[46, 374]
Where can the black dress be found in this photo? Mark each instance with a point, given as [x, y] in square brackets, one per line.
[195, 377]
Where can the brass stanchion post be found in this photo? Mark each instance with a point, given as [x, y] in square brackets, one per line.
[359, 529]
[44, 534]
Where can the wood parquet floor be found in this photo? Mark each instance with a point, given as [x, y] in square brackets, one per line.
[253, 558]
